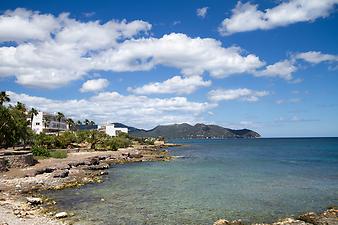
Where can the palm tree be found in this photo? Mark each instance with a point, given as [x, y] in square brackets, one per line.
[4, 97]
[21, 107]
[78, 122]
[70, 123]
[92, 123]
[33, 112]
[59, 117]
[86, 121]
[46, 121]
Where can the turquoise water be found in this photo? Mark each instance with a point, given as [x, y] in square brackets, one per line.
[257, 180]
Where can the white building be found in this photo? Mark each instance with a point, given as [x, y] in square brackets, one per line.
[48, 123]
[111, 130]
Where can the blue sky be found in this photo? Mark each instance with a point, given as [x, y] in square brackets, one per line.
[271, 66]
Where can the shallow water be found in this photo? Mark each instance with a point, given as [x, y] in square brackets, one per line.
[258, 180]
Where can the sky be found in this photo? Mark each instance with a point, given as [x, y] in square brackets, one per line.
[268, 65]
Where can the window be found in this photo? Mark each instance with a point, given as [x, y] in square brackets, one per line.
[37, 124]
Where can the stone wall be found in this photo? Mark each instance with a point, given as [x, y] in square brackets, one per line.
[3, 165]
[18, 161]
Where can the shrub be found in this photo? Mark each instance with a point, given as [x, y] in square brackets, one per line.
[40, 151]
[115, 143]
[59, 154]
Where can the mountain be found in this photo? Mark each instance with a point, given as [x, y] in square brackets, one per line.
[185, 130]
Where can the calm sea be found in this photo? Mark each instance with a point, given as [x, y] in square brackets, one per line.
[257, 180]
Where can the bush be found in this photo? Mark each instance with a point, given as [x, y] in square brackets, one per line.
[40, 151]
[115, 143]
[59, 154]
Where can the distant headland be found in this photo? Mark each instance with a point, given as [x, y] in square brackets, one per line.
[188, 131]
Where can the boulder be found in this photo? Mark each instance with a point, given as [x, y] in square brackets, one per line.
[34, 201]
[221, 222]
[61, 215]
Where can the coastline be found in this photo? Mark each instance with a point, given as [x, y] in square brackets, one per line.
[17, 185]
[20, 189]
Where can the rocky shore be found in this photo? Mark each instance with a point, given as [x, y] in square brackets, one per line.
[328, 217]
[21, 202]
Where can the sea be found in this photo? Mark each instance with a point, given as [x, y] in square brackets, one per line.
[255, 180]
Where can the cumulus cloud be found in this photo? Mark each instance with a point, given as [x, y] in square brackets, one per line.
[247, 17]
[51, 51]
[138, 111]
[94, 85]
[202, 12]
[193, 56]
[176, 84]
[282, 69]
[243, 94]
[316, 57]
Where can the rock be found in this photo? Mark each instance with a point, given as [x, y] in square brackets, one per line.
[60, 173]
[76, 164]
[34, 201]
[102, 166]
[103, 173]
[226, 222]
[290, 221]
[92, 161]
[45, 170]
[61, 215]
[136, 154]
[221, 222]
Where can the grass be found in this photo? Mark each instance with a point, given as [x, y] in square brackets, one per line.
[58, 154]
[44, 153]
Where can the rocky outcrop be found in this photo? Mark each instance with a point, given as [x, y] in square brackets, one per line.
[328, 217]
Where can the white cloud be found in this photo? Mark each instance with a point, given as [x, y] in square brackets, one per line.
[193, 56]
[291, 100]
[23, 25]
[246, 17]
[51, 51]
[282, 69]
[134, 110]
[176, 84]
[234, 94]
[94, 85]
[202, 12]
[316, 57]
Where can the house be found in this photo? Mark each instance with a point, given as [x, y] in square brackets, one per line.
[48, 123]
[111, 130]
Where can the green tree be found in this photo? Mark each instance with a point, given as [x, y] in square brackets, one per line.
[4, 97]
[46, 121]
[70, 123]
[21, 107]
[78, 122]
[59, 117]
[33, 112]
[86, 122]
[92, 123]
